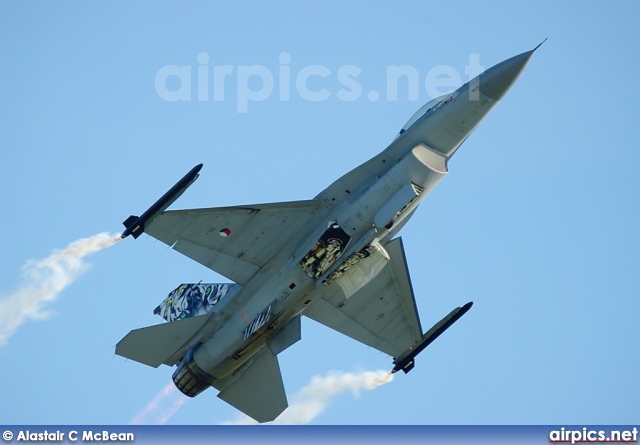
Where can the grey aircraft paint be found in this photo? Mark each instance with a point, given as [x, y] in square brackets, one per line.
[335, 259]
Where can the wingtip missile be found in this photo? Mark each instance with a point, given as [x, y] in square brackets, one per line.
[134, 225]
[407, 362]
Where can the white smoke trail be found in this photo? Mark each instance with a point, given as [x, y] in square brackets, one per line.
[43, 281]
[314, 398]
[306, 404]
[169, 412]
[157, 404]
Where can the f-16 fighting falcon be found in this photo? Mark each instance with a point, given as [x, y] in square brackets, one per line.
[335, 259]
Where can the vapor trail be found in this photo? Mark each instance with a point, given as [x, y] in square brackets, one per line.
[306, 404]
[43, 280]
[156, 407]
[169, 412]
[314, 398]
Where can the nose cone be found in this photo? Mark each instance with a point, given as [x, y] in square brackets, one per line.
[496, 81]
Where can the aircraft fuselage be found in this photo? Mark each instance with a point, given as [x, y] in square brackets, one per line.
[324, 252]
[369, 205]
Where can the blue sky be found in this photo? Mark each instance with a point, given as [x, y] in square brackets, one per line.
[537, 221]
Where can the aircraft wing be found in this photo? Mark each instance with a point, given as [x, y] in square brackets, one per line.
[382, 314]
[256, 388]
[233, 241]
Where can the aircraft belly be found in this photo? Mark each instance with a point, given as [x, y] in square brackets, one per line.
[422, 166]
[333, 259]
[326, 251]
[256, 315]
[227, 365]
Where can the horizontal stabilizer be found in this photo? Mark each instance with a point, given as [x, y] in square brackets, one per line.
[256, 388]
[159, 344]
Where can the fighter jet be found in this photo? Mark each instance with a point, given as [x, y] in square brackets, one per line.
[335, 259]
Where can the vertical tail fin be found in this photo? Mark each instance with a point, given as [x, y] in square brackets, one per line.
[189, 300]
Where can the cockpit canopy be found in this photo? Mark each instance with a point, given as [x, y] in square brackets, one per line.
[427, 109]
